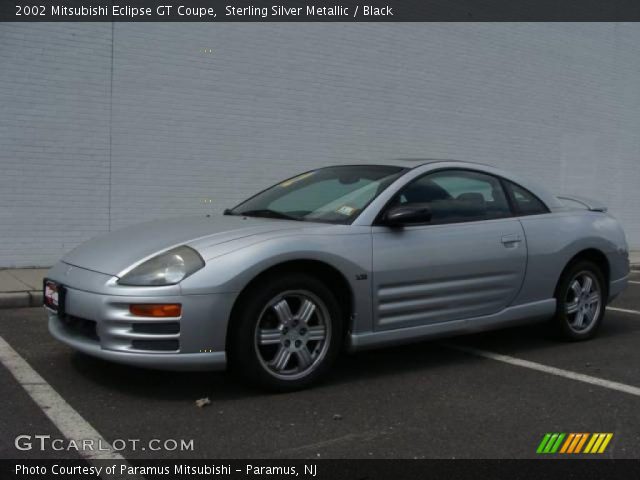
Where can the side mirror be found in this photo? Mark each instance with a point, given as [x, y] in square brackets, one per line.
[415, 214]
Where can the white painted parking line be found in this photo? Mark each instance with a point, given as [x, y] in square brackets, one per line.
[623, 310]
[63, 416]
[634, 282]
[559, 372]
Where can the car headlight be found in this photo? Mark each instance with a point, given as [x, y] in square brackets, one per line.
[168, 268]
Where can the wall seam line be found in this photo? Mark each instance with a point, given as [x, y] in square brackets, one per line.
[110, 131]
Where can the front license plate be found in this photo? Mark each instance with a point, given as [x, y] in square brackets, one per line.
[53, 296]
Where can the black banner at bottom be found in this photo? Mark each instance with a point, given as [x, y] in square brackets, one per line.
[547, 468]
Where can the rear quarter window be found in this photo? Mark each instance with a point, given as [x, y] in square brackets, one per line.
[525, 202]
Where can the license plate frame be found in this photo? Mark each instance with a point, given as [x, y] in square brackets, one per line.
[53, 297]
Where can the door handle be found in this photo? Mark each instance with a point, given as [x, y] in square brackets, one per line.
[512, 240]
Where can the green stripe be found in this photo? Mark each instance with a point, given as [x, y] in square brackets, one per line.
[558, 442]
[543, 443]
[550, 443]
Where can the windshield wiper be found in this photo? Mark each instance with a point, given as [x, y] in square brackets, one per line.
[267, 213]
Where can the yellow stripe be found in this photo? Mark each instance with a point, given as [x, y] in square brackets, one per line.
[574, 443]
[584, 439]
[606, 442]
[594, 449]
[591, 442]
[566, 443]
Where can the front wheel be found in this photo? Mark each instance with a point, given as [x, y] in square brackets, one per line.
[581, 301]
[286, 333]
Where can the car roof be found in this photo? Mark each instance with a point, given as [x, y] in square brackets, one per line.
[420, 162]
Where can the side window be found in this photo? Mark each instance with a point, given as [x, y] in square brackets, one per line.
[526, 202]
[457, 196]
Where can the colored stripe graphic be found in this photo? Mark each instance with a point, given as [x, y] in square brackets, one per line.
[596, 445]
[573, 443]
[593, 439]
[598, 442]
[607, 439]
[550, 443]
[581, 442]
[605, 443]
[567, 442]
[556, 446]
[543, 443]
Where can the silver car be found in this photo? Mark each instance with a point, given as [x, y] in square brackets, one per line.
[344, 257]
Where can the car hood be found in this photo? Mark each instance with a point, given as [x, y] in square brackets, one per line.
[116, 251]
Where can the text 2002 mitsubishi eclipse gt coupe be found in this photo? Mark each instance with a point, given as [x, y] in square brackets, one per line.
[350, 257]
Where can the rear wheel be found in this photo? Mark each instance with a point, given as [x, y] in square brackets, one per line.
[286, 333]
[581, 301]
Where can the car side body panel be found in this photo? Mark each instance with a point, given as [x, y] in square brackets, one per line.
[440, 273]
[555, 238]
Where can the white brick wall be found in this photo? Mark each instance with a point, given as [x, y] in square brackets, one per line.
[54, 138]
[559, 102]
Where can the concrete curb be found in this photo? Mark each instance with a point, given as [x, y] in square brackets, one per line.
[21, 299]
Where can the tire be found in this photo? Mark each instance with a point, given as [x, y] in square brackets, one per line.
[286, 333]
[580, 302]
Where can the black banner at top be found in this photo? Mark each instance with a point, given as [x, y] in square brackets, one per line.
[320, 10]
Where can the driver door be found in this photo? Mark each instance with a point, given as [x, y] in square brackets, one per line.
[468, 261]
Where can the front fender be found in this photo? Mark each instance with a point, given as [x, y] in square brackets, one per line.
[350, 254]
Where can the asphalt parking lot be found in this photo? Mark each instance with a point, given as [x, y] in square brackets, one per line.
[427, 400]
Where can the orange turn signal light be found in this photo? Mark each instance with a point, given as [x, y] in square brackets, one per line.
[156, 309]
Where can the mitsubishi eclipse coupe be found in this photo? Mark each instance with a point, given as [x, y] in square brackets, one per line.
[344, 257]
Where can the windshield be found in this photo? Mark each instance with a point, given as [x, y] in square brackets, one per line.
[330, 195]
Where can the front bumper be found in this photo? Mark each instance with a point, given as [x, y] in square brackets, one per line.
[162, 361]
[100, 324]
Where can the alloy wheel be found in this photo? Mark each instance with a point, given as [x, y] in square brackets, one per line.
[292, 334]
[583, 301]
